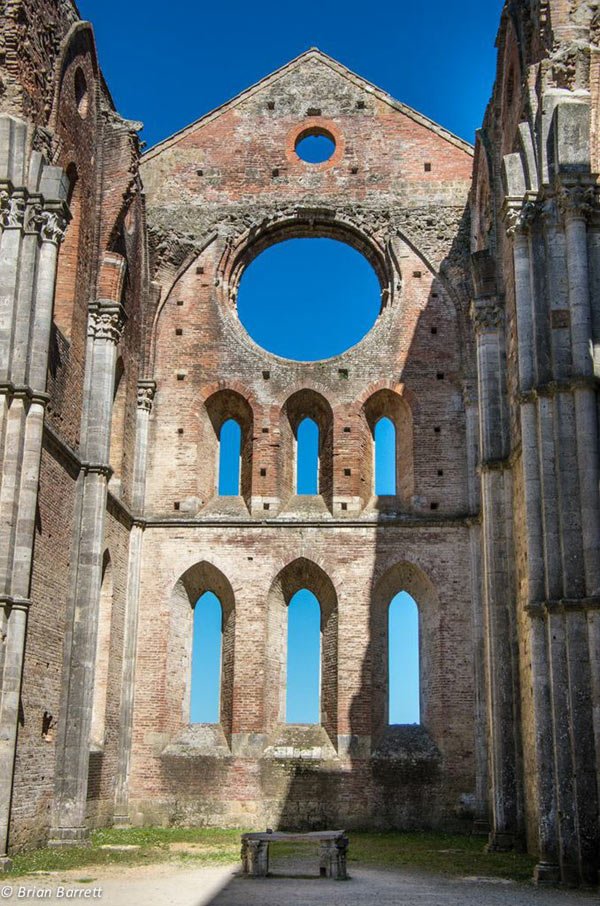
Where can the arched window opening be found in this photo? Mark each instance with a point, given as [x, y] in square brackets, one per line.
[230, 452]
[385, 457]
[307, 445]
[403, 661]
[117, 430]
[303, 659]
[227, 446]
[102, 655]
[68, 259]
[309, 298]
[307, 457]
[207, 644]
[389, 472]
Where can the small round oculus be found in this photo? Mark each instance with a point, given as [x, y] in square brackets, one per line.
[315, 146]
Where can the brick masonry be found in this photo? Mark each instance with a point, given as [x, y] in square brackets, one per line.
[495, 529]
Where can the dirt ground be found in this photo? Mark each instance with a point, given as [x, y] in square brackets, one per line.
[173, 885]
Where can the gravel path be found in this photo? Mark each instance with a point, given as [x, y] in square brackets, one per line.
[169, 885]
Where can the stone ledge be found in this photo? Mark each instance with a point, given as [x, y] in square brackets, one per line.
[205, 740]
[409, 743]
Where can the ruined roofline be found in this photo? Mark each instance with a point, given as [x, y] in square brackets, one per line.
[315, 54]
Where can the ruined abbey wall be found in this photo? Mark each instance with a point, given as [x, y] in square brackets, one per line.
[121, 355]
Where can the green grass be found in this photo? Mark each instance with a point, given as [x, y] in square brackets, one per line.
[449, 854]
[208, 846]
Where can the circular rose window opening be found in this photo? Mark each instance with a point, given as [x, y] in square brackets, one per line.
[315, 146]
[309, 299]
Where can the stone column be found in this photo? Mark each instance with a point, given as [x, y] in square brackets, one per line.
[488, 317]
[577, 204]
[32, 231]
[481, 820]
[518, 222]
[146, 390]
[105, 325]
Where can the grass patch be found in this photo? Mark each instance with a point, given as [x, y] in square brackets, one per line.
[448, 854]
[208, 846]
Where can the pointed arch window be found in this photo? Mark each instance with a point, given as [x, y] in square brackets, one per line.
[403, 660]
[303, 659]
[307, 457]
[207, 645]
[226, 449]
[385, 457]
[390, 470]
[230, 452]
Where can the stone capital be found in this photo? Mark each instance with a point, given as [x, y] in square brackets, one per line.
[518, 219]
[12, 210]
[487, 314]
[52, 226]
[145, 395]
[106, 321]
[576, 202]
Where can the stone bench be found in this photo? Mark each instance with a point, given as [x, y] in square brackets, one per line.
[333, 847]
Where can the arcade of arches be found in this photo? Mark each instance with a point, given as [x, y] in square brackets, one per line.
[151, 455]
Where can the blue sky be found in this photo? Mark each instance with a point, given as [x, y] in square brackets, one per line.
[167, 65]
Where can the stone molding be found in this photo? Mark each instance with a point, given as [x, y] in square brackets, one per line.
[554, 388]
[24, 391]
[14, 603]
[562, 605]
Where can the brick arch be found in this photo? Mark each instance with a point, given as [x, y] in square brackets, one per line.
[408, 577]
[509, 79]
[190, 586]
[295, 575]
[307, 403]
[482, 201]
[301, 223]
[238, 387]
[407, 395]
[79, 41]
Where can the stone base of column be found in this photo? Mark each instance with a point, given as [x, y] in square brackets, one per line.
[481, 828]
[5, 863]
[121, 822]
[546, 873]
[500, 842]
[69, 836]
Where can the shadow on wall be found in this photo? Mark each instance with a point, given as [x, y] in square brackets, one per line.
[400, 776]
[353, 769]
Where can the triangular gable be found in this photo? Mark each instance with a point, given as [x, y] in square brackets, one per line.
[312, 54]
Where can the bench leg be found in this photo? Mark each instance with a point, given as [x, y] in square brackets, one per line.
[255, 858]
[341, 852]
